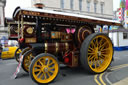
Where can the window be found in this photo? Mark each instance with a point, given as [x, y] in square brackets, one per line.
[71, 4]
[5, 49]
[125, 35]
[102, 8]
[80, 5]
[88, 6]
[95, 7]
[62, 4]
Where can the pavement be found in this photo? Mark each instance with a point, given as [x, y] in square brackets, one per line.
[122, 82]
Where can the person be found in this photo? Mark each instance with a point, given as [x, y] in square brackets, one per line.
[0, 50]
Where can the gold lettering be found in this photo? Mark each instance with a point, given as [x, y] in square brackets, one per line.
[31, 13]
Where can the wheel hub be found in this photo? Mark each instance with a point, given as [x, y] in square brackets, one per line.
[44, 69]
[99, 53]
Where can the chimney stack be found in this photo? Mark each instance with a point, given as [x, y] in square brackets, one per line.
[39, 4]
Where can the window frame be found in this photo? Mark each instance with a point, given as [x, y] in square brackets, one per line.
[102, 8]
[88, 6]
[71, 4]
[80, 5]
[125, 35]
[62, 4]
[95, 7]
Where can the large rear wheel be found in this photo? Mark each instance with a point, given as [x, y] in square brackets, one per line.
[44, 68]
[96, 53]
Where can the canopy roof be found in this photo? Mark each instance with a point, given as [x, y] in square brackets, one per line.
[30, 15]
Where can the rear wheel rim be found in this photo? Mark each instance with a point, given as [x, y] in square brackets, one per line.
[45, 69]
[27, 61]
[100, 52]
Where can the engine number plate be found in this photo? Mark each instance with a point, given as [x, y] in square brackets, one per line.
[30, 40]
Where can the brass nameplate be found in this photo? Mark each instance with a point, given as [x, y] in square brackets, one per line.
[30, 40]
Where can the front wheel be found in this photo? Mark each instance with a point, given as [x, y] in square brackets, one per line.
[96, 53]
[44, 68]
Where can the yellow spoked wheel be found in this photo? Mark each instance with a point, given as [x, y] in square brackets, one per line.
[44, 68]
[17, 54]
[27, 58]
[96, 53]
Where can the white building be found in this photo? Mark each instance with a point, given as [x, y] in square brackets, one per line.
[96, 8]
[119, 38]
[3, 30]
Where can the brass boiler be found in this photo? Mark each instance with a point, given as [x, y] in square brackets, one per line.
[57, 47]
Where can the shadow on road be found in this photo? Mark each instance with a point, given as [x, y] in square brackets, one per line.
[22, 75]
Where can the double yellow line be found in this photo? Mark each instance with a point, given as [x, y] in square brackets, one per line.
[100, 82]
[98, 77]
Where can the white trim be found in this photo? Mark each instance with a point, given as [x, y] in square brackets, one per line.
[66, 14]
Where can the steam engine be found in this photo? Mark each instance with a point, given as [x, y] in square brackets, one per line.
[57, 40]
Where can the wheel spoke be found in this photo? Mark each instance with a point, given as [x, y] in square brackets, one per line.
[38, 73]
[48, 61]
[48, 74]
[105, 52]
[100, 42]
[37, 66]
[41, 76]
[102, 56]
[102, 46]
[41, 62]
[100, 60]
[96, 43]
[90, 58]
[37, 70]
[51, 71]
[95, 62]
[91, 63]
[105, 55]
[98, 63]
[105, 49]
[51, 67]
[50, 64]
[91, 53]
[45, 77]
[91, 49]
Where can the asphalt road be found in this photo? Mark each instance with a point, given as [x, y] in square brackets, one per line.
[69, 76]
[116, 72]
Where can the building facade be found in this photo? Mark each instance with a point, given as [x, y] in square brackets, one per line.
[96, 8]
[3, 29]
